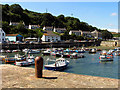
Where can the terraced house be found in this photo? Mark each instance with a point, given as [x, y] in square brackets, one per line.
[49, 36]
[59, 30]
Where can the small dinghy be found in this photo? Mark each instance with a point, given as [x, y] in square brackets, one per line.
[92, 51]
[22, 63]
[60, 64]
[47, 52]
[30, 60]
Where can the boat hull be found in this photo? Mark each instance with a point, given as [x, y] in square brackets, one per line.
[56, 68]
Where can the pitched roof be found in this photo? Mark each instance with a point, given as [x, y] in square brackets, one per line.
[12, 34]
[50, 33]
[75, 30]
[48, 27]
[60, 28]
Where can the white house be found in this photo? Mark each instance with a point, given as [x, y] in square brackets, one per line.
[48, 28]
[86, 33]
[2, 35]
[76, 32]
[59, 30]
[50, 36]
[96, 34]
[15, 23]
[33, 26]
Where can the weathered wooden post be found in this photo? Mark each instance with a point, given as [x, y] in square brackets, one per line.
[38, 67]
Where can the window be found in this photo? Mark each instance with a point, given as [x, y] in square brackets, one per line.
[3, 34]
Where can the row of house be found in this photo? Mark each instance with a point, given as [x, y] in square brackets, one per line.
[95, 34]
[27, 27]
[48, 36]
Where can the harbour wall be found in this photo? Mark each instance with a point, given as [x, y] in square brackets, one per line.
[111, 43]
[50, 45]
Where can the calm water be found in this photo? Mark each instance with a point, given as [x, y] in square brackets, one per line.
[90, 65]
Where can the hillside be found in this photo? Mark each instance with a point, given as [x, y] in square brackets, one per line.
[15, 13]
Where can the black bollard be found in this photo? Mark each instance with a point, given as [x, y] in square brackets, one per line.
[38, 67]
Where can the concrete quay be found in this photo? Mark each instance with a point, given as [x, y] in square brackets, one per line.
[21, 77]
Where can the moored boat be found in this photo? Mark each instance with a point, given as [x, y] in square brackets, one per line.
[47, 52]
[105, 58]
[92, 50]
[60, 64]
[66, 55]
[22, 63]
[30, 59]
[117, 53]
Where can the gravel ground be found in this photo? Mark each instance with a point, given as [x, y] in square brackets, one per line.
[21, 77]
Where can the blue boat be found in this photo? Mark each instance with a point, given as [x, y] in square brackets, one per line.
[60, 64]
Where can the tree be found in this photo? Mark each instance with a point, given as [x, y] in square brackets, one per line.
[39, 33]
[106, 35]
[16, 8]
[5, 26]
[20, 28]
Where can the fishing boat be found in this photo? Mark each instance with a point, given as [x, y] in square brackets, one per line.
[105, 58]
[47, 52]
[81, 55]
[2, 57]
[9, 60]
[80, 51]
[58, 54]
[103, 52]
[73, 56]
[19, 57]
[66, 55]
[76, 55]
[92, 50]
[22, 63]
[30, 59]
[30, 51]
[53, 53]
[16, 50]
[8, 51]
[2, 51]
[60, 64]
[117, 53]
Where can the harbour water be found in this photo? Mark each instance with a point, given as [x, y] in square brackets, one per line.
[90, 65]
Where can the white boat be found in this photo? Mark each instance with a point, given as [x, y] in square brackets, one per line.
[22, 63]
[105, 58]
[2, 51]
[60, 64]
[30, 51]
[18, 57]
[74, 55]
[25, 50]
[15, 50]
[30, 60]
[92, 50]
[117, 53]
[47, 52]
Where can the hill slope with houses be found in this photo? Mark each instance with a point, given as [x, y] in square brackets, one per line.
[33, 24]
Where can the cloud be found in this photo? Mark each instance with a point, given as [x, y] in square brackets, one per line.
[113, 14]
[110, 25]
[113, 30]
